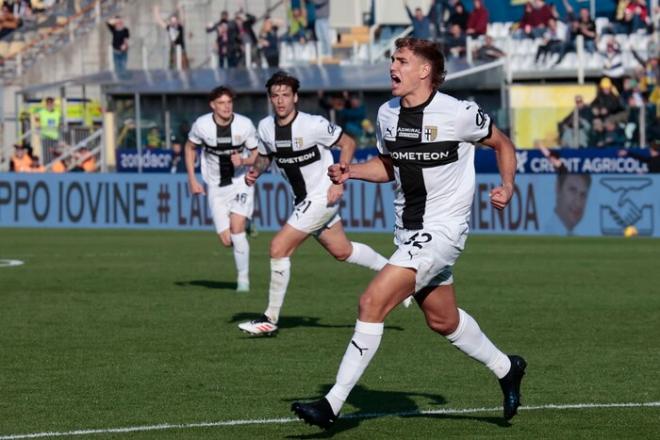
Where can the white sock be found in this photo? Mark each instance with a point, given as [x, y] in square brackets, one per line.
[241, 256]
[280, 271]
[359, 353]
[363, 255]
[469, 338]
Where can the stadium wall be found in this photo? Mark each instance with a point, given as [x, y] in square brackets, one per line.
[598, 205]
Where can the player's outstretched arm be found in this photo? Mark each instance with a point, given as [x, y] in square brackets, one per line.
[347, 145]
[506, 163]
[379, 170]
[193, 184]
[260, 165]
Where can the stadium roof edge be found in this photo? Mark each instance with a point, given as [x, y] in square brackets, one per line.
[367, 78]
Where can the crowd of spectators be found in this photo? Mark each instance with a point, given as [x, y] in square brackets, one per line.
[615, 117]
[15, 14]
[23, 160]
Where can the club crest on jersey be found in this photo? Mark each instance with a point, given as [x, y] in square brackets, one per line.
[430, 132]
[298, 142]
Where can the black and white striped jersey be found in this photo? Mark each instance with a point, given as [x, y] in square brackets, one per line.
[219, 142]
[432, 149]
[301, 151]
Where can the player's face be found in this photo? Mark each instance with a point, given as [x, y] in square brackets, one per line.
[571, 200]
[223, 107]
[283, 100]
[406, 72]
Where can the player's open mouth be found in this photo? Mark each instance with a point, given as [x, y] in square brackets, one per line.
[395, 78]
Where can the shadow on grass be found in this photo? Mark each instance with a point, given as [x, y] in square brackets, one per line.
[209, 284]
[287, 322]
[373, 404]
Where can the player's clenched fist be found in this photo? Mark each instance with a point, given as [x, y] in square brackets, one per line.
[339, 172]
[251, 176]
[501, 195]
[196, 187]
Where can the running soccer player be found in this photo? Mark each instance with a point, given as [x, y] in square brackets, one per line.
[229, 144]
[426, 141]
[299, 144]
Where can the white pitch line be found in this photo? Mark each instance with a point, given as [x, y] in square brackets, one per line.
[441, 411]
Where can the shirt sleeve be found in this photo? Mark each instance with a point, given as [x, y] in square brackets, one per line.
[472, 123]
[327, 133]
[380, 143]
[251, 139]
[262, 146]
[195, 135]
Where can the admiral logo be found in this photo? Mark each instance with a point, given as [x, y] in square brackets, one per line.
[409, 133]
[283, 144]
[223, 140]
[424, 156]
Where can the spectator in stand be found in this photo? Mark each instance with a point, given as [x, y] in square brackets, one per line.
[421, 23]
[310, 12]
[178, 158]
[652, 161]
[120, 36]
[59, 165]
[478, 20]
[607, 104]
[613, 64]
[584, 115]
[488, 51]
[269, 42]
[352, 115]
[636, 16]
[20, 161]
[597, 134]
[36, 166]
[49, 121]
[297, 24]
[322, 25]
[8, 21]
[245, 34]
[525, 27]
[368, 138]
[175, 33]
[85, 160]
[458, 16]
[455, 44]
[552, 42]
[153, 138]
[614, 135]
[541, 15]
[587, 28]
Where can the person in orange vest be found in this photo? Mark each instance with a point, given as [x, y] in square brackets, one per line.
[86, 160]
[58, 165]
[20, 160]
[36, 166]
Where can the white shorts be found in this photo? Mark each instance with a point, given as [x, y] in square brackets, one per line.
[313, 216]
[237, 198]
[432, 253]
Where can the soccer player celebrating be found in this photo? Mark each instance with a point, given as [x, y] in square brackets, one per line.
[298, 143]
[426, 141]
[229, 144]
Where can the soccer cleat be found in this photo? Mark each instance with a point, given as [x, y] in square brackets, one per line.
[510, 385]
[260, 326]
[243, 286]
[317, 413]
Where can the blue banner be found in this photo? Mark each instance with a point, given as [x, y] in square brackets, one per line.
[570, 204]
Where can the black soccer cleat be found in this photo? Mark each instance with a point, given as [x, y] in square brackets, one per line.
[510, 385]
[317, 413]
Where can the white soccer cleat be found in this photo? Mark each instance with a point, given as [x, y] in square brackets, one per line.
[261, 326]
[407, 301]
[243, 286]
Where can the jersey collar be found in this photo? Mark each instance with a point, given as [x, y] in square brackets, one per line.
[420, 106]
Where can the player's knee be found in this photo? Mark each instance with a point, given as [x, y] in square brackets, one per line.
[370, 306]
[442, 324]
[342, 254]
[277, 250]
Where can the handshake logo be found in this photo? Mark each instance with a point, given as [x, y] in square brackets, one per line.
[615, 217]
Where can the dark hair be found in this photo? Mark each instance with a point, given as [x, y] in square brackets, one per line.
[561, 178]
[50, 99]
[220, 91]
[282, 78]
[431, 52]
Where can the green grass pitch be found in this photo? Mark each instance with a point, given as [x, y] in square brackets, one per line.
[112, 329]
